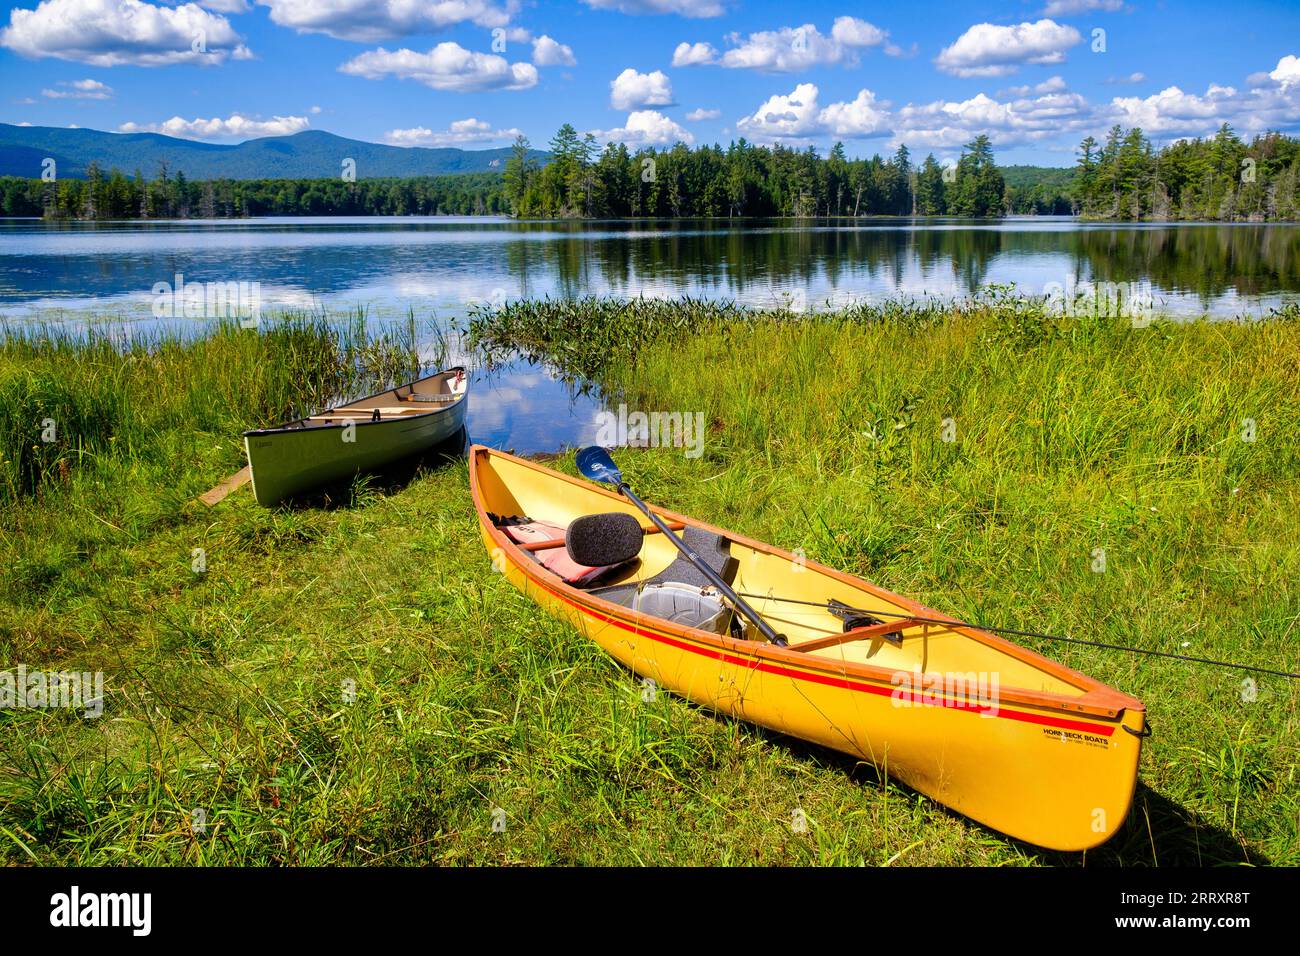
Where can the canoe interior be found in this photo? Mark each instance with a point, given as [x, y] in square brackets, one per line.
[509, 487]
[434, 393]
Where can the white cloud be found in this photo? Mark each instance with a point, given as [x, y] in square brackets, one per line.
[1173, 113]
[862, 116]
[448, 66]
[790, 49]
[792, 116]
[699, 115]
[694, 54]
[118, 32]
[79, 90]
[369, 21]
[631, 89]
[950, 124]
[646, 128]
[1135, 77]
[798, 117]
[314, 110]
[460, 133]
[548, 52]
[685, 8]
[989, 50]
[225, 6]
[851, 31]
[1287, 72]
[234, 127]
[1067, 8]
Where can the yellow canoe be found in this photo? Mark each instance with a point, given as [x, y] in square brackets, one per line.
[996, 732]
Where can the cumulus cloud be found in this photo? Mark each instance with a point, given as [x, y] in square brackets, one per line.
[548, 52]
[234, 127]
[122, 32]
[1287, 72]
[369, 21]
[448, 66]
[944, 124]
[798, 117]
[685, 8]
[694, 54]
[646, 128]
[1134, 77]
[1173, 113]
[79, 90]
[790, 49]
[460, 133]
[989, 50]
[631, 89]
[699, 115]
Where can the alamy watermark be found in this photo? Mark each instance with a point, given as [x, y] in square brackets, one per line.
[208, 300]
[621, 428]
[965, 690]
[1130, 300]
[21, 689]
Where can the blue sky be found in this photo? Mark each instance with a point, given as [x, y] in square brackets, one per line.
[1033, 75]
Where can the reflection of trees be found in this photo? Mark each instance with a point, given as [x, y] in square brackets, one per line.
[757, 255]
[708, 258]
[1207, 260]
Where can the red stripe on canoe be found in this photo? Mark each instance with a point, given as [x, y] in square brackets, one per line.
[841, 682]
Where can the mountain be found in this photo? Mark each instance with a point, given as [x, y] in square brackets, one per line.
[313, 154]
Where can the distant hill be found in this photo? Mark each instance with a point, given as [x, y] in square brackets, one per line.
[1029, 176]
[313, 154]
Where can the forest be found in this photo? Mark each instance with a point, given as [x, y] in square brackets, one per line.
[742, 180]
[1220, 178]
[746, 180]
[116, 196]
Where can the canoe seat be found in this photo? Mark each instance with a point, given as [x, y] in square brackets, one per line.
[712, 548]
[545, 542]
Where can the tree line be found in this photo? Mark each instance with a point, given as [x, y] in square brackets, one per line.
[173, 196]
[744, 180]
[1125, 178]
[1219, 178]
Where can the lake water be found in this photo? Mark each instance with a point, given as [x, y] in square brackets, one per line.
[439, 266]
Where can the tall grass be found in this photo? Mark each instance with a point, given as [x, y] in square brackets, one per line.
[72, 396]
[225, 688]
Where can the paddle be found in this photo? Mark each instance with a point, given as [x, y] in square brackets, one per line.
[596, 464]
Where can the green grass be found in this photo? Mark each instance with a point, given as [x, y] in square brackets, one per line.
[228, 691]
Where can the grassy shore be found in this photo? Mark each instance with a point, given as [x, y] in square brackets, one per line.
[353, 685]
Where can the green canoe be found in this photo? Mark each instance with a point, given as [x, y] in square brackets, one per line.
[338, 443]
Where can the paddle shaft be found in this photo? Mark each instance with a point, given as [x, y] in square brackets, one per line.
[714, 578]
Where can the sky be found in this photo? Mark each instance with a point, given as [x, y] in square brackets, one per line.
[1036, 75]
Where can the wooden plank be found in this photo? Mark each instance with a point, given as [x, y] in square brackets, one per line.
[857, 634]
[559, 542]
[226, 486]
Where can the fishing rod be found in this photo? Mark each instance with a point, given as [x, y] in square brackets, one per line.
[1038, 634]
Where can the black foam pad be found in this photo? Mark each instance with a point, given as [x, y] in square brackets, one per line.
[598, 540]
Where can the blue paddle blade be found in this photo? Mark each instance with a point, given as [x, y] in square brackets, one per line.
[594, 463]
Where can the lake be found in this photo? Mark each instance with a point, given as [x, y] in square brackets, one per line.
[439, 266]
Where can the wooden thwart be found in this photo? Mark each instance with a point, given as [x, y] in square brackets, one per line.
[857, 634]
[648, 529]
[226, 486]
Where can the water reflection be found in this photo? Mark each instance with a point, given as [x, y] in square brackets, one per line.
[441, 264]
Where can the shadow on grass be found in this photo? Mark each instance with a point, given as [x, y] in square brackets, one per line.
[389, 480]
[1157, 832]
